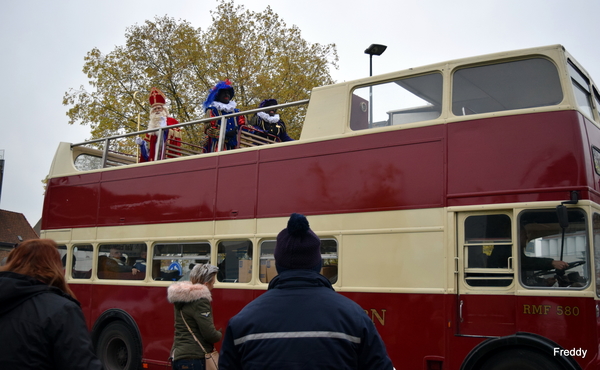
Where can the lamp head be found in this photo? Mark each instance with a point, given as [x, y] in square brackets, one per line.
[375, 49]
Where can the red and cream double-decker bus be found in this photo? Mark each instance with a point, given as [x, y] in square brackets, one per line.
[444, 216]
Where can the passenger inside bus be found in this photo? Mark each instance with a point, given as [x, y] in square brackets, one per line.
[167, 275]
[140, 263]
[113, 267]
[76, 274]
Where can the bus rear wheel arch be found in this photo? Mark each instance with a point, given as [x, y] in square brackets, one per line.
[523, 351]
[118, 347]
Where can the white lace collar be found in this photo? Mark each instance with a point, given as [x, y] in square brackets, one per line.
[228, 108]
[265, 117]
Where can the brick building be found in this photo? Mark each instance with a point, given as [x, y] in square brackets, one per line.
[14, 229]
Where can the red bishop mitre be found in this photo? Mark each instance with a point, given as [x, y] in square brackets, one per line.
[156, 97]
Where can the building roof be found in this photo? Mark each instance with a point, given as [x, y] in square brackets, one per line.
[13, 225]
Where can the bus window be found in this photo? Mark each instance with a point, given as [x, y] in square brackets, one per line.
[329, 258]
[596, 155]
[403, 101]
[542, 241]
[234, 261]
[62, 249]
[488, 250]
[581, 88]
[116, 261]
[82, 261]
[86, 162]
[597, 103]
[174, 261]
[505, 86]
[267, 261]
[597, 250]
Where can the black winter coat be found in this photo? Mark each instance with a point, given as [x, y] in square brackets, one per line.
[301, 323]
[41, 327]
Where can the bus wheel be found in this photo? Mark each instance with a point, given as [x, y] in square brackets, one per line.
[519, 359]
[118, 348]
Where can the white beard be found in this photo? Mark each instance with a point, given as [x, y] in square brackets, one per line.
[155, 119]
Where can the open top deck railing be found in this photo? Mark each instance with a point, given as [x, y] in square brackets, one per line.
[111, 158]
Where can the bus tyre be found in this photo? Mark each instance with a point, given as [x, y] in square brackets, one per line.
[520, 359]
[118, 347]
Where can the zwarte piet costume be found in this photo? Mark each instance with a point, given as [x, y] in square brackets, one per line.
[272, 125]
[214, 108]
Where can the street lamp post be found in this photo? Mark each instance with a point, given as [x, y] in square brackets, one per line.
[374, 49]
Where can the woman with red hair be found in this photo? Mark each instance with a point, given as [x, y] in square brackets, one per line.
[42, 323]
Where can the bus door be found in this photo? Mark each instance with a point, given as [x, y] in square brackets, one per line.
[486, 274]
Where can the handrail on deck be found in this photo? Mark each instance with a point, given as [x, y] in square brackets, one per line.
[223, 118]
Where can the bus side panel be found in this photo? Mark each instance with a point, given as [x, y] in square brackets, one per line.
[236, 186]
[149, 308]
[384, 171]
[516, 158]
[83, 293]
[412, 326]
[71, 202]
[158, 198]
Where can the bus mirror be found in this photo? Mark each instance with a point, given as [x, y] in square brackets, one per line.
[563, 216]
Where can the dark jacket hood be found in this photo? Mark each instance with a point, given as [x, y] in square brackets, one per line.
[16, 289]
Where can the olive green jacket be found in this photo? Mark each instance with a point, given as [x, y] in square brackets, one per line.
[194, 301]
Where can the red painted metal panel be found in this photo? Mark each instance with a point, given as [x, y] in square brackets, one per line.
[236, 192]
[413, 326]
[392, 177]
[69, 205]
[489, 315]
[172, 197]
[516, 158]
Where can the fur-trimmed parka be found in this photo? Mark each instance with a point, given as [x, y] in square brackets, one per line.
[194, 301]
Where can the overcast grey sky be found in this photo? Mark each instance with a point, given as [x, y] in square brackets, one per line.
[44, 43]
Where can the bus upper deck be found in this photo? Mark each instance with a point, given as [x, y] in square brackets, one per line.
[466, 121]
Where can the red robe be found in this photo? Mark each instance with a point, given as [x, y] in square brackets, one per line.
[173, 138]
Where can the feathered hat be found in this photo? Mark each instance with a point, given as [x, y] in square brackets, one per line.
[156, 97]
[298, 247]
[212, 94]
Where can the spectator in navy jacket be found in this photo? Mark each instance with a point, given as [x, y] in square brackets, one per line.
[301, 322]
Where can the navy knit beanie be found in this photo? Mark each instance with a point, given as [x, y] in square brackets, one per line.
[298, 247]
